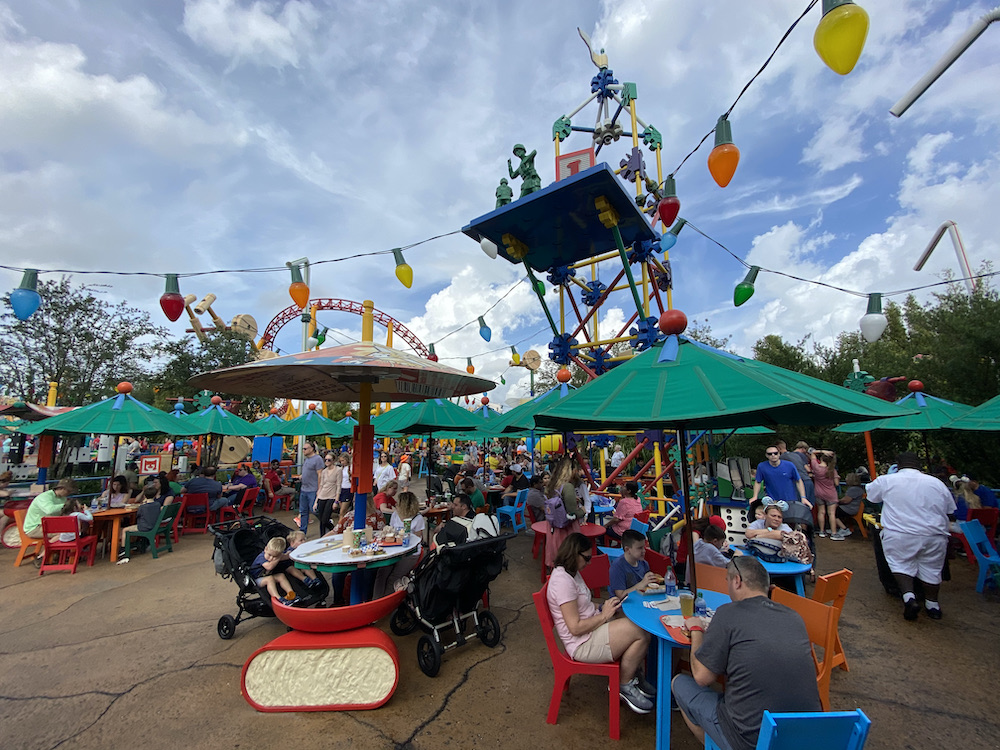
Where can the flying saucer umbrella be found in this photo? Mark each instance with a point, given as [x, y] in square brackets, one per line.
[217, 421]
[931, 413]
[32, 412]
[310, 423]
[984, 418]
[121, 415]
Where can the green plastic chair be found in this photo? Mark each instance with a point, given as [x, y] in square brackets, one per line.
[162, 528]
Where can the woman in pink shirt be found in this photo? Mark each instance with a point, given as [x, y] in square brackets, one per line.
[625, 510]
[590, 634]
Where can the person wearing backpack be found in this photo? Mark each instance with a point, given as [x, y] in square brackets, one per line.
[562, 508]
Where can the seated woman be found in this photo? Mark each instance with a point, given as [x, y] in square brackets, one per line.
[374, 521]
[850, 503]
[771, 526]
[385, 500]
[387, 577]
[117, 494]
[590, 634]
[626, 508]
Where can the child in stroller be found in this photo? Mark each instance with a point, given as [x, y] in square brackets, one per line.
[237, 544]
[266, 572]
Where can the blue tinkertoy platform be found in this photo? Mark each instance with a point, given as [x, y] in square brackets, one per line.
[559, 224]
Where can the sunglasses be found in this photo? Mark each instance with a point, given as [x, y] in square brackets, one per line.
[586, 557]
[771, 453]
[327, 461]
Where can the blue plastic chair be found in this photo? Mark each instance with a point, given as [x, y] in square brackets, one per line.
[513, 511]
[837, 730]
[639, 526]
[986, 556]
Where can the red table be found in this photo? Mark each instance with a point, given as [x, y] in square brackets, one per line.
[592, 531]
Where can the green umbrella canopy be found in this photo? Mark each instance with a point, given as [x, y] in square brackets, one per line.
[520, 420]
[932, 414]
[984, 418]
[682, 383]
[425, 417]
[121, 415]
[311, 423]
[217, 421]
[266, 424]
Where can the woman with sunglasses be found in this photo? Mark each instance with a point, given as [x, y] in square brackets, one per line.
[328, 493]
[590, 634]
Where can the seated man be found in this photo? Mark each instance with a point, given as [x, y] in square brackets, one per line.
[49, 503]
[709, 549]
[741, 644]
[207, 483]
[242, 481]
[630, 572]
[465, 524]
[518, 483]
[475, 495]
[274, 481]
[536, 496]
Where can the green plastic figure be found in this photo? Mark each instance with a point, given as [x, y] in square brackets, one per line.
[530, 181]
[504, 193]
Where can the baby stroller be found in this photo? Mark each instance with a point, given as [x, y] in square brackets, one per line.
[444, 592]
[237, 544]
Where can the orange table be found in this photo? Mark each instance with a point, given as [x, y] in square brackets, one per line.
[435, 517]
[113, 517]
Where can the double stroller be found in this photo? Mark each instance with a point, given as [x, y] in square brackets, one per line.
[444, 593]
[237, 544]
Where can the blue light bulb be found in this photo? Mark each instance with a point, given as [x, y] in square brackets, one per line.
[25, 300]
[667, 241]
[484, 330]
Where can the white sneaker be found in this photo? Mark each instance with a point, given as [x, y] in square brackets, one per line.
[634, 699]
[836, 537]
[822, 534]
[844, 533]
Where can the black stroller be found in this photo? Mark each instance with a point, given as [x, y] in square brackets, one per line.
[237, 544]
[444, 592]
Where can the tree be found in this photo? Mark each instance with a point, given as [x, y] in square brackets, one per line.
[77, 339]
[188, 357]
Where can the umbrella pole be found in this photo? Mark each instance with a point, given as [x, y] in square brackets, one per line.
[686, 490]
[871, 455]
[430, 462]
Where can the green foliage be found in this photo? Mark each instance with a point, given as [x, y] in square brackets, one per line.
[78, 340]
[952, 346]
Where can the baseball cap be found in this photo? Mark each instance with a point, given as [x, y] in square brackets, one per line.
[516, 468]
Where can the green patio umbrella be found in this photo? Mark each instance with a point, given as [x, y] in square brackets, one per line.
[425, 417]
[520, 421]
[268, 423]
[308, 424]
[121, 415]
[931, 413]
[983, 418]
[217, 421]
[693, 386]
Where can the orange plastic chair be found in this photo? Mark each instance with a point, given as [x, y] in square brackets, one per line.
[832, 589]
[596, 574]
[862, 527]
[821, 625]
[710, 577]
[67, 554]
[228, 512]
[27, 542]
[196, 522]
[564, 668]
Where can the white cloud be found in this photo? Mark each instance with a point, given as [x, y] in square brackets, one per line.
[261, 34]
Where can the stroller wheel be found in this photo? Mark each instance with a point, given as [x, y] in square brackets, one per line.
[403, 622]
[429, 655]
[489, 628]
[227, 627]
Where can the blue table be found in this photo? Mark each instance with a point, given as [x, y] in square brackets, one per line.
[649, 620]
[795, 569]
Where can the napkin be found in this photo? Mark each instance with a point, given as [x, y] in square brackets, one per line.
[670, 602]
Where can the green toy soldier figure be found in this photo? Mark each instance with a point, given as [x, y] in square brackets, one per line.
[530, 181]
[504, 193]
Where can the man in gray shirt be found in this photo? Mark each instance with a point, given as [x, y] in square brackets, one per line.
[763, 649]
[312, 465]
[800, 457]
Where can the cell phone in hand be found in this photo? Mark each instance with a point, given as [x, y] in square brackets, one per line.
[622, 600]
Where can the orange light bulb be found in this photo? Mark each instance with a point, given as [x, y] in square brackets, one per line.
[725, 157]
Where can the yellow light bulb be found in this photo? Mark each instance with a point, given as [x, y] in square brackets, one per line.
[403, 271]
[840, 35]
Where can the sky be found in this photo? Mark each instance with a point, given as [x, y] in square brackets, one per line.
[178, 137]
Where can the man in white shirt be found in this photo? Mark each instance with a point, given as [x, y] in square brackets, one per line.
[916, 510]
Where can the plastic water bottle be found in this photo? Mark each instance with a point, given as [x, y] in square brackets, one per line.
[700, 607]
[670, 582]
[93, 503]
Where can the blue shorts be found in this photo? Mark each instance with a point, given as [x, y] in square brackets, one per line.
[701, 706]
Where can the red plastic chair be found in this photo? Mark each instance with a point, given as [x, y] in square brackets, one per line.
[642, 516]
[67, 554]
[988, 517]
[196, 521]
[269, 498]
[175, 530]
[229, 513]
[564, 668]
[658, 563]
[539, 543]
[596, 574]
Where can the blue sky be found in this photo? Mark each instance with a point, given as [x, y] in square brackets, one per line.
[218, 134]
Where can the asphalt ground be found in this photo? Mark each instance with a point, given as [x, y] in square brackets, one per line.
[128, 655]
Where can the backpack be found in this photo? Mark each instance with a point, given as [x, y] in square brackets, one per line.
[555, 511]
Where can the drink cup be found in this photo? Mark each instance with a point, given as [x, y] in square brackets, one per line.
[687, 603]
[406, 526]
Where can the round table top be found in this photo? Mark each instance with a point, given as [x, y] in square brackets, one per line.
[787, 568]
[648, 618]
[329, 550]
[587, 529]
